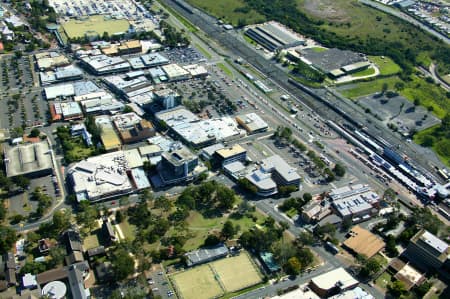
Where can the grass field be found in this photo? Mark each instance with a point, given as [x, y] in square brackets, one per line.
[383, 280]
[386, 65]
[197, 283]
[291, 212]
[199, 227]
[203, 51]
[225, 69]
[91, 241]
[428, 94]
[237, 272]
[319, 49]
[349, 18]
[76, 28]
[128, 230]
[440, 142]
[228, 10]
[363, 73]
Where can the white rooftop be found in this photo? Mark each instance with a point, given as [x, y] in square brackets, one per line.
[253, 121]
[126, 121]
[330, 279]
[356, 293]
[29, 280]
[276, 163]
[434, 241]
[262, 180]
[104, 175]
[174, 71]
[56, 91]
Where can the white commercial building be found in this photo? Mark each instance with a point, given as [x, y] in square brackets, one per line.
[357, 202]
[200, 133]
[106, 176]
[175, 72]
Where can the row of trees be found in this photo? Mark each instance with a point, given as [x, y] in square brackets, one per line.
[295, 203]
[210, 198]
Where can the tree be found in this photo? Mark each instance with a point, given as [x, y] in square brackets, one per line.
[3, 211]
[305, 256]
[328, 228]
[293, 266]
[307, 197]
[127, 109]
[225, 196]
[370, 267]
[33, 268]
[33, 237]
[7, 238]
[211, 240]
[87, 216]
[21, 181]
[163, 202]
[423, 289]
[57, 255]
[346, 223]
[247, 185]
[389, 194]
[122, 264]
[119, 217]
[391, 249]
[228, 230]
[34, 133]
[397, 288]
[61, 220]
[329, 174]
[384, 88]
[305, 239]
[286, 190]
[339, 170]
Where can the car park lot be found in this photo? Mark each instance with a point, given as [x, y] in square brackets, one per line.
[183, 56]
[21, 202]
[119, 8]
[22, 102]
[158, 282]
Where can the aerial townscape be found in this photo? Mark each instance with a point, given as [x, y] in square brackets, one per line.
[203, 149]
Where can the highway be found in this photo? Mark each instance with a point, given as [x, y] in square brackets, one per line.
[397, 13]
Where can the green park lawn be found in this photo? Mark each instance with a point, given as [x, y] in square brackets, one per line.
[429, 94]
[383, 280]
[199, 227]
[319, 49]
[386, 65]
[369, 87]
[291, 213]
[363, 73]
[440, 144]
[226, 10]
[79, 150]
[128, 230]
[98, 23]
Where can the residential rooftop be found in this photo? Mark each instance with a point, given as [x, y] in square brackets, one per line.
[363, 242]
